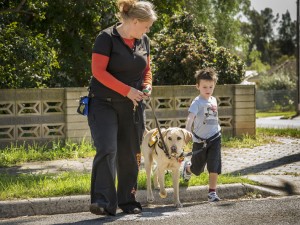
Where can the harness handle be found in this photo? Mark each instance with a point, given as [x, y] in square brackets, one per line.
[159, 131]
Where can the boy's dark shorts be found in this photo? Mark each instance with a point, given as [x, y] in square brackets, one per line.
[210, 156]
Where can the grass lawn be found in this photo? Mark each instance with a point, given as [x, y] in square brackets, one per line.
[286, 115]
[23, 186]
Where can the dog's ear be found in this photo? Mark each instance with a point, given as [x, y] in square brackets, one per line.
[164, 132]
[188, 136]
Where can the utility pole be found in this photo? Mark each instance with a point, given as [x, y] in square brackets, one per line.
[298, 54]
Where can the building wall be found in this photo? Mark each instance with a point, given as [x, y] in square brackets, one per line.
[44, 115]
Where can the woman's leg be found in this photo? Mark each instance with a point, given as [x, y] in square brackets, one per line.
[103, 125]
[128, 155]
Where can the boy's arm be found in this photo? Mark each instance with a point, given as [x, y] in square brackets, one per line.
[189, 121]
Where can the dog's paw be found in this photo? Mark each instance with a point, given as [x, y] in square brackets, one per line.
[178, 205]
[163, 194]
[156, 187]
[150, 199]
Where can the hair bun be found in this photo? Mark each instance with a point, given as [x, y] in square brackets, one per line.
[126, 5]
[134, 9]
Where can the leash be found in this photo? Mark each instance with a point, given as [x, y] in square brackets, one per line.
[164, 147]
[192, 153]
[204, 141]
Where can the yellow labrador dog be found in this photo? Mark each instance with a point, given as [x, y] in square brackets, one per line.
[152, 149]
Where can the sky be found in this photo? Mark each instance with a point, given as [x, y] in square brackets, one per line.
[278, 6]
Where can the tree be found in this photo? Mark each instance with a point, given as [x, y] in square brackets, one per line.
[26, 60]
[287, 35]
[69, 28]
[165, 10]
[261, 34]
[222, 18]
[256, 63]
[72, 27]
[183, 47]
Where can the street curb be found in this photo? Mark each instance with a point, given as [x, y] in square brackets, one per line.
[80, 203]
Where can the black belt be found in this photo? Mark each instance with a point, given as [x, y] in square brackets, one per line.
[125, 99]
[206, 141]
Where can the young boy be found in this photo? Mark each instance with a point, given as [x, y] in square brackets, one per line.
[203, 116]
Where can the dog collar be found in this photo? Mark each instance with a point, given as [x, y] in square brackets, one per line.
[180, 158]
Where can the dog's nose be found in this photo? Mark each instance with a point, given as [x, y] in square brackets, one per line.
[173, 149]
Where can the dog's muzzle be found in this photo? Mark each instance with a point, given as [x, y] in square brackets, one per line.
[173, 149]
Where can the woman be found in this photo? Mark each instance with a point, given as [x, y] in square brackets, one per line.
[121, 79]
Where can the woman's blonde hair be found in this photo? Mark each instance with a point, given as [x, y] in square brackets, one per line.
[133, 9]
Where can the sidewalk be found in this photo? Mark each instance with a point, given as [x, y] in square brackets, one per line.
[278, 123]
[276, 167]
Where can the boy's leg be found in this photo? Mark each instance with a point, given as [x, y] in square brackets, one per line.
[197, 164]
[198, 160]
[213, 178]
[214, 168]
[212, 194]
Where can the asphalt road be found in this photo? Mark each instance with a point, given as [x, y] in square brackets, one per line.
[273, 211]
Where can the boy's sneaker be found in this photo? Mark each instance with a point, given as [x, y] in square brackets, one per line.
[186, 175]
[213, 197]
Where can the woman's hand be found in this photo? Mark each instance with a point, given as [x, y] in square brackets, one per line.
[135, 96]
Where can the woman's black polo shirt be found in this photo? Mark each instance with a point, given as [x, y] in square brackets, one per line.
[125, 64]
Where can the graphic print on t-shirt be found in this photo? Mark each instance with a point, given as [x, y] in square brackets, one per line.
[210, 114]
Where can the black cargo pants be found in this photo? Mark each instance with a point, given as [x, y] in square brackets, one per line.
[117, 132]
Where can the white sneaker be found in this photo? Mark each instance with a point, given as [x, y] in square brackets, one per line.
[213, 197]
[186, 175]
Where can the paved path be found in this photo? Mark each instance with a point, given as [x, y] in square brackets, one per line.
[281, 158]
[273, 165]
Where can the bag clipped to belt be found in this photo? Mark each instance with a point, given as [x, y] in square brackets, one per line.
[83, 107]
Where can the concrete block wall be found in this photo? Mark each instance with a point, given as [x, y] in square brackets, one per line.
[244, 110]
[31, 115]
[41, 115]
[76, 124]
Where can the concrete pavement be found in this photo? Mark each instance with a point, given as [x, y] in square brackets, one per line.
[276, 166]
[278, 123]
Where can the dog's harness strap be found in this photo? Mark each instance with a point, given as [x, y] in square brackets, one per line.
[160, 145]
[164, 147]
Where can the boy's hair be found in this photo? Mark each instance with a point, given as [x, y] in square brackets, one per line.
[206, 74]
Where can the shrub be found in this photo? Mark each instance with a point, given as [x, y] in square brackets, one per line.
[183, 47]
[26, 59]
[278, 81]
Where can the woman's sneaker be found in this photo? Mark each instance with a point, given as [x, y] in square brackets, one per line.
[185, 174]
[213, 197]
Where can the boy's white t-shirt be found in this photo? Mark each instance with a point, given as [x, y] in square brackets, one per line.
[206, 122]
